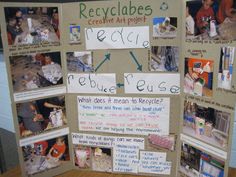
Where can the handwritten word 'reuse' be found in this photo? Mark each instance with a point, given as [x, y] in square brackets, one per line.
[150, 83]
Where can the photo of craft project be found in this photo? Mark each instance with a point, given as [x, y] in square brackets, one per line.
[74, 34]
[101, 159]
[198, 79]
[211, 20]
[195, 163]
[165, 142]
[41, 115]
[36, 71]
[78, 62]
[165, 27]
[207, 124]
[32, 25]
[82, 156]
[45, 155]
[164, 58]
[226, 67]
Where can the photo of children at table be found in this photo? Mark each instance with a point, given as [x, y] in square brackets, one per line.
[32, 25]
[45, 154]
[198, 78]
[213, 19]
[41, 115]
[36, 71]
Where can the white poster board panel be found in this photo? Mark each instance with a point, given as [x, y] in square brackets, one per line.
[124, 115]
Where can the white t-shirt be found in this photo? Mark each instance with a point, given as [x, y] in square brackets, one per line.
[190, 25]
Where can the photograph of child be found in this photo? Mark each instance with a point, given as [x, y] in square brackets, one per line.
[45, 155]
[165, 27]
[36, 71]
[78, 62]
[195, 163]
[74, 34]
[198, 78]
[82, 156]
[211, 19]
[41, 115]
[101, 159]
[226, 67]
[207, 124]
[164, 58]
[32, 25]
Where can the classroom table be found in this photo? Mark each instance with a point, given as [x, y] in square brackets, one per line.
[225, 31]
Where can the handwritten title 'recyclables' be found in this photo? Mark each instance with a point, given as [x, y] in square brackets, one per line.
[118, 10]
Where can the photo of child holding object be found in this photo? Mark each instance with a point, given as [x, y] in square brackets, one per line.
[32, 25]
[198, 78]
[213, 19]
[41, 115]
[82, 156]
[46, 154]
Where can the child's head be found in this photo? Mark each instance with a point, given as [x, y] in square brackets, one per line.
[48, 60]
[12, 21]
[60, 140]
[18, 13]
[207, 3]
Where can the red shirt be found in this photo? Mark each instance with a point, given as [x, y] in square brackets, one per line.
[58, 150]
[204, 13]
[225, 6]
[42, 146]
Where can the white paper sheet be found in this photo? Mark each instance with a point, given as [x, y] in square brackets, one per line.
[152, 83]
[45, 136]
[91, 83]
[124, 115]
[117, 37]
[154, 162]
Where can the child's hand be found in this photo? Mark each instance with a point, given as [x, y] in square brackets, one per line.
[205, 24]
[194, 76]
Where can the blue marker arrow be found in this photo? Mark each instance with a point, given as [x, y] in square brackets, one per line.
[120, 85]
[136, 61]
[107, 57]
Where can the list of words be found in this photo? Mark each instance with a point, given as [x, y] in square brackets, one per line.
[124, 115]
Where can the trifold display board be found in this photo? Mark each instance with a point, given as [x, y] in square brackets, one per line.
[122, 86]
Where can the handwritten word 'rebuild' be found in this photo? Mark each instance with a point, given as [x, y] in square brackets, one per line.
[149, 83]
[117, 37]
[91, 83]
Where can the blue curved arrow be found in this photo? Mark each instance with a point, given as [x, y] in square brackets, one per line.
[107, 57]
[140, 67]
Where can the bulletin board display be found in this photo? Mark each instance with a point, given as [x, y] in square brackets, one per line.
[125, 94]
[109, 86]
[208, 95]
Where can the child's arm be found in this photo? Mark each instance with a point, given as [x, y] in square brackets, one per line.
[50, 151]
